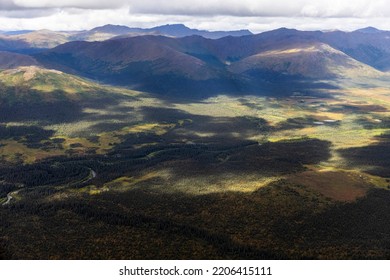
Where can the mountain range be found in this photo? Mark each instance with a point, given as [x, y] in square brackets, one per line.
[281, 61]
[43, 39]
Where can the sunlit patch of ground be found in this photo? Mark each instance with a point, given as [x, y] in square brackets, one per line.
[108, 140]
[156, 128]
[220, 184]
[13, 151]
[373, 95]
[163, 180]
[220, 106]
[344, 136]
[127, 183]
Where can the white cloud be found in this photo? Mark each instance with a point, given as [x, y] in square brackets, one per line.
[26, 14]
[256, 15]
[271, 8]
[7, 5]
[83, 4]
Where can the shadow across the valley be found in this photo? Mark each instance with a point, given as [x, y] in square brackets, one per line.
[213, 145]
[50, 113]
[24, 104]
[183, 90]
[302, 122]
[224, 127]
[29, 135]
[180, 87]
[193, 145]
[373, 158]
[275, 84]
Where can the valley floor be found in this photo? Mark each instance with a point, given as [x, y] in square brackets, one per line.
[226, 177]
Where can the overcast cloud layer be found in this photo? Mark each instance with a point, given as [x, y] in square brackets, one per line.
[256, 15]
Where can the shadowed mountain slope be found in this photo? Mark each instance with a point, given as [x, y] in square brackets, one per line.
[10, 60]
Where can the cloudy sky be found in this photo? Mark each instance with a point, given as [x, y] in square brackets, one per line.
[255, 15]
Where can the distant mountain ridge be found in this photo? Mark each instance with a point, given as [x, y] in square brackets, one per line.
[180, 30]
[173, 63]
[43, 39]
[369, 29]
[110, 31]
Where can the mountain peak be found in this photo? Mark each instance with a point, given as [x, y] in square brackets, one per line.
[172, 29]
[111, 28]
[173, 26]
[369, 29]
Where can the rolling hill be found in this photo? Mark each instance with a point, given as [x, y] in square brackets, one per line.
[314, 61]
[9, 60]
[45, 80]
[42, 39]
[36, 94]
[35, 84]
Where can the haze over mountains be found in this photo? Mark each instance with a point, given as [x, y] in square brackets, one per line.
[174, 59]
[21, 40]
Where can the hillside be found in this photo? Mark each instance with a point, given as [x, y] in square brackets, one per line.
[44, 80]
[33, 93]
[314, 61]
[42, 39]
[10, 60]
[372, 48]
[150, 63]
